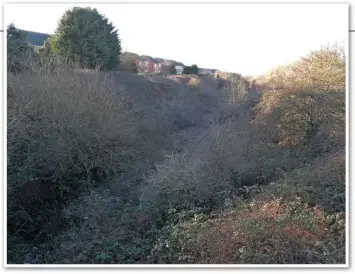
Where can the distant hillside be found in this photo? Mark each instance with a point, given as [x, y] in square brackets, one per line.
[36, 38]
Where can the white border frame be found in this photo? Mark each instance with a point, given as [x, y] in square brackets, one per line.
[168, 266]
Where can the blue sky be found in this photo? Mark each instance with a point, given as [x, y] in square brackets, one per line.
[245, 38]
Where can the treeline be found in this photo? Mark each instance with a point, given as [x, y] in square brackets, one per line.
[83, 38]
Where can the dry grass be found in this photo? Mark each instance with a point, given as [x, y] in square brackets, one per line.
[194, 82]
[181, 78]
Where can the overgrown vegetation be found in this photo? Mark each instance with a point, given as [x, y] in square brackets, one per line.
[18, 51]
[113, 167]
[128, 63]
[322, 70]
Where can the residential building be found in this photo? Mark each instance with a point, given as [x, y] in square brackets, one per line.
[149, 64]
[179, 67]
[158, 67]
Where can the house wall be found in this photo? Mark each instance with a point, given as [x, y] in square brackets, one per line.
[157, 67]
[179, 69]
[151, 67]
[148, 66]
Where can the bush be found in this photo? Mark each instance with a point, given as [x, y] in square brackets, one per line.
[195, 82]
[190, 69]
[271, 232]
[57, 149]
[19, 52]
[321, 183]
[182, 183]
[305, 114]
[85, 37]
[322, 70]
[236, 89]
[127, 63]
[312, 123]
[228, 165]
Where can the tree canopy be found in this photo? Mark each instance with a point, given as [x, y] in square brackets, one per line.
[85, 37]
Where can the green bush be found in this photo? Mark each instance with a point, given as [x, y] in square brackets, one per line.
[191, 69]
[85, 37]
[19, 52]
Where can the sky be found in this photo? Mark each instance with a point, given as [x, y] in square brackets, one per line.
[250, 39]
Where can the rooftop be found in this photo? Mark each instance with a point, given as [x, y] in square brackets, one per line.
[36, 38]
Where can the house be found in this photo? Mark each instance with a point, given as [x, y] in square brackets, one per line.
[35, 38]
[159, 60]
[158, 67]
[179, 67]
[147, 64]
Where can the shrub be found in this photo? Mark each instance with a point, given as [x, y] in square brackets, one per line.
[271, 232]
[19, 52]
[195, 82]
[321, 183]
[308, 112]
[227, 165]
[128, 64]
[56, 145]
[322, 70]
[305, 114]
[310, 122]
[85, 37]
[190, 69]
[181, 183]
[236, 89]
